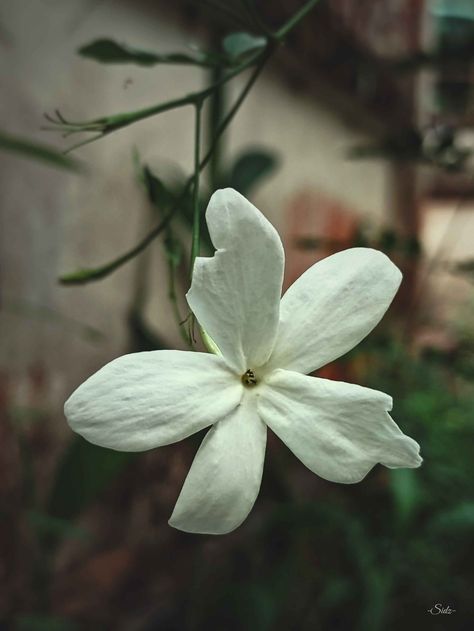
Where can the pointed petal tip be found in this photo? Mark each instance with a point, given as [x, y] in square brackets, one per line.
[415, 463]
[418, 463]
[354, 432]
[417, 459]
[408, 456]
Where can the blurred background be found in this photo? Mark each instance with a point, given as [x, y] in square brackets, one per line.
[358, 132]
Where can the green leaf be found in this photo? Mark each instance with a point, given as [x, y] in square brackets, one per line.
[37, 151]
[460, 518]
[158, 193]
[250, 168]
[163, 195]
[236, 45]
[173, 250]
[405, 490]
[46, 525]
[107, 51]
[84, 472]
[83, 276]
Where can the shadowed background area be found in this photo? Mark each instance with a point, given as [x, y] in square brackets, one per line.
[358, 132]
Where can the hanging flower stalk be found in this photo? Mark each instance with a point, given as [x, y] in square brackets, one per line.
[267, 346]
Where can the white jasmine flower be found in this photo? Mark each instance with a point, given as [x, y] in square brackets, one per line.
[267, 345]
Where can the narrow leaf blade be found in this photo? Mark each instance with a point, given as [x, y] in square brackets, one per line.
[37, 151]
[250, 168]
[238, 44]
[108, 51]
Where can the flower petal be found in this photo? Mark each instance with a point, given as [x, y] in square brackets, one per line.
[338, 430]
[235, 295]
[224, 479]
[332, 307]
[145, 400]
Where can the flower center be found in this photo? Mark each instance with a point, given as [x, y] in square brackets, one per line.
[249, 379]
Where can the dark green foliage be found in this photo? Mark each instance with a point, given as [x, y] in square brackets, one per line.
[84, 472]
[47, 527]
[107, 51]
[314, 555]
[160, 195]
[238, 45]
[245, 173]
[249, 168]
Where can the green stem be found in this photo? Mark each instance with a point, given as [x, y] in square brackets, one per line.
[295, 19]
[89, 275]
[215, 112]
[108, 124]
[116, 121]
[234, 109]
[196, 239]
[209, 343]
[174, 303]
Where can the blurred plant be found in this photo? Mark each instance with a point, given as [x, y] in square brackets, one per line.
[243, 174]
[240, 51]
[36, 151]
